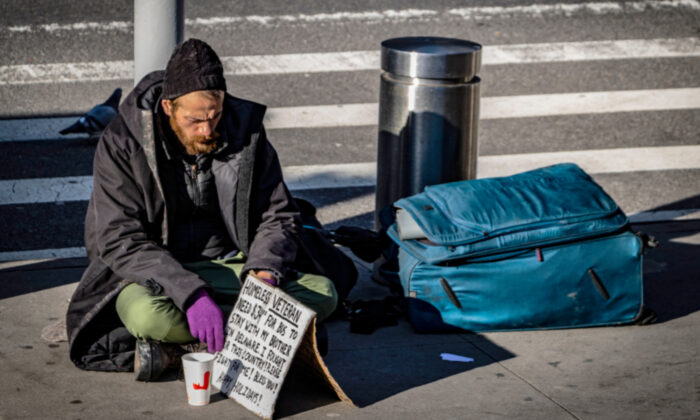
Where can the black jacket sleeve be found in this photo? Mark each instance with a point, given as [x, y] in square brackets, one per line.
[275, 218]
[121, 222]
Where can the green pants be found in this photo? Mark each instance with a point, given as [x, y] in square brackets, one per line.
[155, 317]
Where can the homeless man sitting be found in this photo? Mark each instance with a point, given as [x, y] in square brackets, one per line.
[188, 199]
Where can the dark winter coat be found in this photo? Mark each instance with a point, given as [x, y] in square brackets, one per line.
[126, 226]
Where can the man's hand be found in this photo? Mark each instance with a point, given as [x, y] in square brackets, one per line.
[206, 321]
[265, 276]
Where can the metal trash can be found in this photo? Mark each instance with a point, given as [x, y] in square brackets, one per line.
[428, 115]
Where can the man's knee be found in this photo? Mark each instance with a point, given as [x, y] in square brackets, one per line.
[326, 305]
[317, 292]
[151, 317]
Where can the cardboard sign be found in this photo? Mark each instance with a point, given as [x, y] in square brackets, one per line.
[264, 331]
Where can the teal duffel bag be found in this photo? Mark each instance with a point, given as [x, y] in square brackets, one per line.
[541, 249]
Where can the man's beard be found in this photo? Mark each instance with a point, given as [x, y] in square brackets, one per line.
[196, 144]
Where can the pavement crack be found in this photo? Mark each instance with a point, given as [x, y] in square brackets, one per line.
[533, 386]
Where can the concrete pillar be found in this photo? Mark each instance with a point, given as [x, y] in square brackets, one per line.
[159, 25]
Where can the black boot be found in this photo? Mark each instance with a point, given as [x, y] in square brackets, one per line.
[152, 358]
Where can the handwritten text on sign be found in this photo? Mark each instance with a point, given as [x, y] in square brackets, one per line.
[264, 330]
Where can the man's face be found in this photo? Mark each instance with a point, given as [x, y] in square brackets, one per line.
[194, 117]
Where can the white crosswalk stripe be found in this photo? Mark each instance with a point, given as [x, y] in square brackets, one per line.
[41, 255]
[362, 60]
[525, 106]
[478, 13]
[354, 115]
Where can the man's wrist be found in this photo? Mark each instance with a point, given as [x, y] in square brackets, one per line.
[265, 276]
[195, 297]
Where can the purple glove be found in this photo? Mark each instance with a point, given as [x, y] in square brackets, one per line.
[206, 321]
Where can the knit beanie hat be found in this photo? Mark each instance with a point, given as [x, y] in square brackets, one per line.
[193, 66]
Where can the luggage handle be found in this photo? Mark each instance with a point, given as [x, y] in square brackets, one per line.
[450, 293]
[598, 284]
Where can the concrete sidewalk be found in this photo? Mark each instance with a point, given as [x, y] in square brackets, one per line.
[617, 372]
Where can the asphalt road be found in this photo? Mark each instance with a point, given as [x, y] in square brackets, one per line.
[34, 33]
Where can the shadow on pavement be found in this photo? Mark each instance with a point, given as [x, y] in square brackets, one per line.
[397, 360]
[322, 197]
[16, 278]
[672, 271]
[364, 220]
[302, 392]
[8, 116]
[373, 373]
[692, 202]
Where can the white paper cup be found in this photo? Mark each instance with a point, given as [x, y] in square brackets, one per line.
[198, 372]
